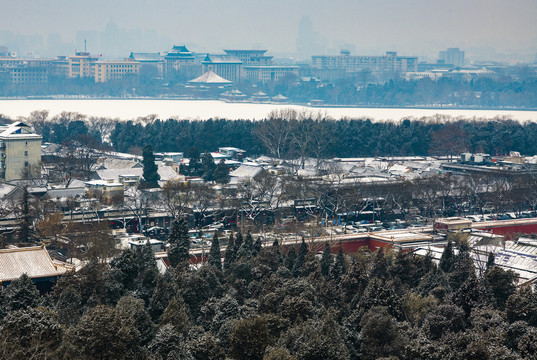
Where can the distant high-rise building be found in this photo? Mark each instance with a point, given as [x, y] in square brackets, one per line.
[345, 63]
[60, 66]
[308, 41]
[20, 148]
[251, 57]
[82, 65]
[453, 56]
[115, 70]
[24, 72]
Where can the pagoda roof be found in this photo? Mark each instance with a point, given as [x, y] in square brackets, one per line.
[146, 57]
[179, 51]
[210, 77]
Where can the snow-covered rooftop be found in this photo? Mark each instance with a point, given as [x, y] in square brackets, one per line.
[32, 261]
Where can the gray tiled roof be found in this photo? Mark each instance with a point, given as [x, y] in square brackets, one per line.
[146, 57]
[32, 261]
[221, 58]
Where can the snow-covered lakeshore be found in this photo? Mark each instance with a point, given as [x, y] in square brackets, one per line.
[126, 109]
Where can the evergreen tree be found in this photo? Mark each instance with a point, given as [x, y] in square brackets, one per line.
[229, 256]
[150, 174]
[249, 339]
[194, 163]
[381, 338]
[447, 261]
[178, 252]
[207, 347]
[20, 294]
[221, 173]
[30, 334]
[290, 258]
[339, 268]
[249, 240]
[92, 336]
[257, 246]
[168, 344]
[276, 248]
[24, 233]
[215, 256]
[301, 258]
[129, 306]
[207, 167]
[146, 257]
[164, 291]
[246, 249]
[490, 260]
[502, 284]
[326, 260]
[380, 264]
[175, 315]
[238, 242]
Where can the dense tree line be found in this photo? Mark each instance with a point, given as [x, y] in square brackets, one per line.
[515, 87]
[291, 134]
[482, 92]
[274, 303]
[288, 137]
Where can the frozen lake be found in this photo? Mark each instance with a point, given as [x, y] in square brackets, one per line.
[125, 109]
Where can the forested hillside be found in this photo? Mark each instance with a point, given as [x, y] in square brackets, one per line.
[267, 303]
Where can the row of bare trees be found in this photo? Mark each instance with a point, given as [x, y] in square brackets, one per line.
[291, 134]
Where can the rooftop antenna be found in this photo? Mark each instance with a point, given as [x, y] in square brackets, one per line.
[85, 46]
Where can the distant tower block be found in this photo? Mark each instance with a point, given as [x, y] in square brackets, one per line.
[452, 56]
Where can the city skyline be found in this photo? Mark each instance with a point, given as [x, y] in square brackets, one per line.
[482, 28]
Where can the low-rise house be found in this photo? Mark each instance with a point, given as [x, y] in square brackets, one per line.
[9, 192]
[232, 153]
[245, 173]
[107, 191]
[156, 245]
[115, 163]
[132, 176]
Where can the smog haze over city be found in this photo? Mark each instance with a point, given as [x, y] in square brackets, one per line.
[486, 29]
[276, 180]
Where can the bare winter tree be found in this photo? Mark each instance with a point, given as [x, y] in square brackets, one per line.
[204, 202]
[258, 194]
[74, 162]
[138, 202]
[177, 197]
[275, 132]
[38, 119]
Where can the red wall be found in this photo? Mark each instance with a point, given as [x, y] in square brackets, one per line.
[510, 231]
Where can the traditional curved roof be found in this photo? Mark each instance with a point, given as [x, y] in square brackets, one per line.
[32, 261]
[210, 77]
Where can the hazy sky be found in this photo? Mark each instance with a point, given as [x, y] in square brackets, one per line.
[411, 27]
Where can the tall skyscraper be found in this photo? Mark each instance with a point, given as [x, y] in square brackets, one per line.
[308, 42]
[453, 56]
